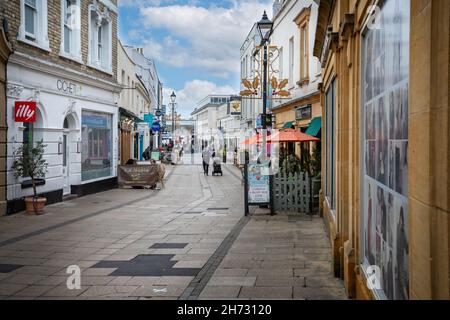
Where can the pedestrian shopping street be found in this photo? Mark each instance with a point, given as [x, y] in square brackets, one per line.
[189, 240]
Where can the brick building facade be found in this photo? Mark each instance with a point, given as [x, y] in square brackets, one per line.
[5, 51]
[65, 59]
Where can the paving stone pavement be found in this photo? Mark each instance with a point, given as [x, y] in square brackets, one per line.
[277, 258]
[192, 233]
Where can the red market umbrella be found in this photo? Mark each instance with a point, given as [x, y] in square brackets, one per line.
[291, 135]
[253, 140]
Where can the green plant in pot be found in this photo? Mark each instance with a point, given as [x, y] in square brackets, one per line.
[29, 162]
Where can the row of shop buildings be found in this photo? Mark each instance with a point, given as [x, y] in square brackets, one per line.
[91, 96]
[371, 79]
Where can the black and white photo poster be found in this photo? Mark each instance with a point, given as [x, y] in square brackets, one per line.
[385, 89]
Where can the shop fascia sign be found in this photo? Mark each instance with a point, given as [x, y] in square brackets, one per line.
[25, 111]
[303, 113]
[68, 87]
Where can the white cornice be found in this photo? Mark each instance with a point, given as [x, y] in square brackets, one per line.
[111, 6]
[53, 69]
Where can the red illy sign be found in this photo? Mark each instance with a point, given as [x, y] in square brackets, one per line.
[25, 111]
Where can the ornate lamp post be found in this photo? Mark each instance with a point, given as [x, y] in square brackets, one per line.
[265, 28]
[173, 98]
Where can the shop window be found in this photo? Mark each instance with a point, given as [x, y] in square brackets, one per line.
[100, 39]
[70, 29]
[33, 27]
[384, 150]
[331, 146]
[96, 155]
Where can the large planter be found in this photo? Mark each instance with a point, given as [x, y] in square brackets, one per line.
[35, 205]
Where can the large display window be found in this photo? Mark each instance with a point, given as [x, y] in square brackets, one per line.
[96, 155]
[385, 61]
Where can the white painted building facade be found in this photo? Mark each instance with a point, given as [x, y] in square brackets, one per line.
[296, 62]
[251, 108]
[76, 118]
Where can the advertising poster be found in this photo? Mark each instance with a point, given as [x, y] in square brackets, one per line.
[258, 184]
[385, 141]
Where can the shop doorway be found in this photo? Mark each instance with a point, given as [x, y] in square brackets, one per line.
[66, 154]
[68, 138]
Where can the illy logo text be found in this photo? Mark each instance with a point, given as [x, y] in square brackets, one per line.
[25, 111]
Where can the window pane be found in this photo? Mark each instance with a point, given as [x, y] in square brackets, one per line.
[67, 35]
[68, 11]
[31, 3]
[30, 16]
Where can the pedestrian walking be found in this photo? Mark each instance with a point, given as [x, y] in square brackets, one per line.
[206, 155]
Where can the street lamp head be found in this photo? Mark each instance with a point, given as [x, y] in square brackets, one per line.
[265, 26]
[173, 96]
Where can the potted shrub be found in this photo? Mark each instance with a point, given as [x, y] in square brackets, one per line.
[29, 162]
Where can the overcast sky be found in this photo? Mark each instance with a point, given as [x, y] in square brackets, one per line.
[195, 43]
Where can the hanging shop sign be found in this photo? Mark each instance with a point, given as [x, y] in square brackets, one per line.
[148, 118]
[25, 111]
[235, 106]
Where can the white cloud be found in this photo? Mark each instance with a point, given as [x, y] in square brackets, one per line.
[193, 92]
[208, 38]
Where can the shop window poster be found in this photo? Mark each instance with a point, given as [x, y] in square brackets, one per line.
[385, 149]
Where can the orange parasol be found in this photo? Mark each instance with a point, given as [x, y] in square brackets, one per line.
[253, 140]
[291, 135]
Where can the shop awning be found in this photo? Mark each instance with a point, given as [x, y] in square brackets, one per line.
[314, 127]
[126, 113]
[288, 125]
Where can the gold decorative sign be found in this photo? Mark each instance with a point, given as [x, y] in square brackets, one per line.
[252, 88]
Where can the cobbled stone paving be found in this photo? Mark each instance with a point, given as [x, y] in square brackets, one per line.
[186, 241]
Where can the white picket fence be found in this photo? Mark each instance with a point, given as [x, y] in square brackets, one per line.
[292, 192]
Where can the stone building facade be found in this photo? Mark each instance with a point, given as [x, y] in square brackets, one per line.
[65, 60]
[385, 100]
[5, 51]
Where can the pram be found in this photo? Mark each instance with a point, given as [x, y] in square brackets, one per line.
[217, 168]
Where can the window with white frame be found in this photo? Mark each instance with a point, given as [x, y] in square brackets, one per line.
[280, 62]
[33, 23]
[31, 15]
[70, 29]
[100, 42]
[291, 61]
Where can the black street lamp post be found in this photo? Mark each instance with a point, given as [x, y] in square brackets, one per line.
[265, 27]
[173, 97]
